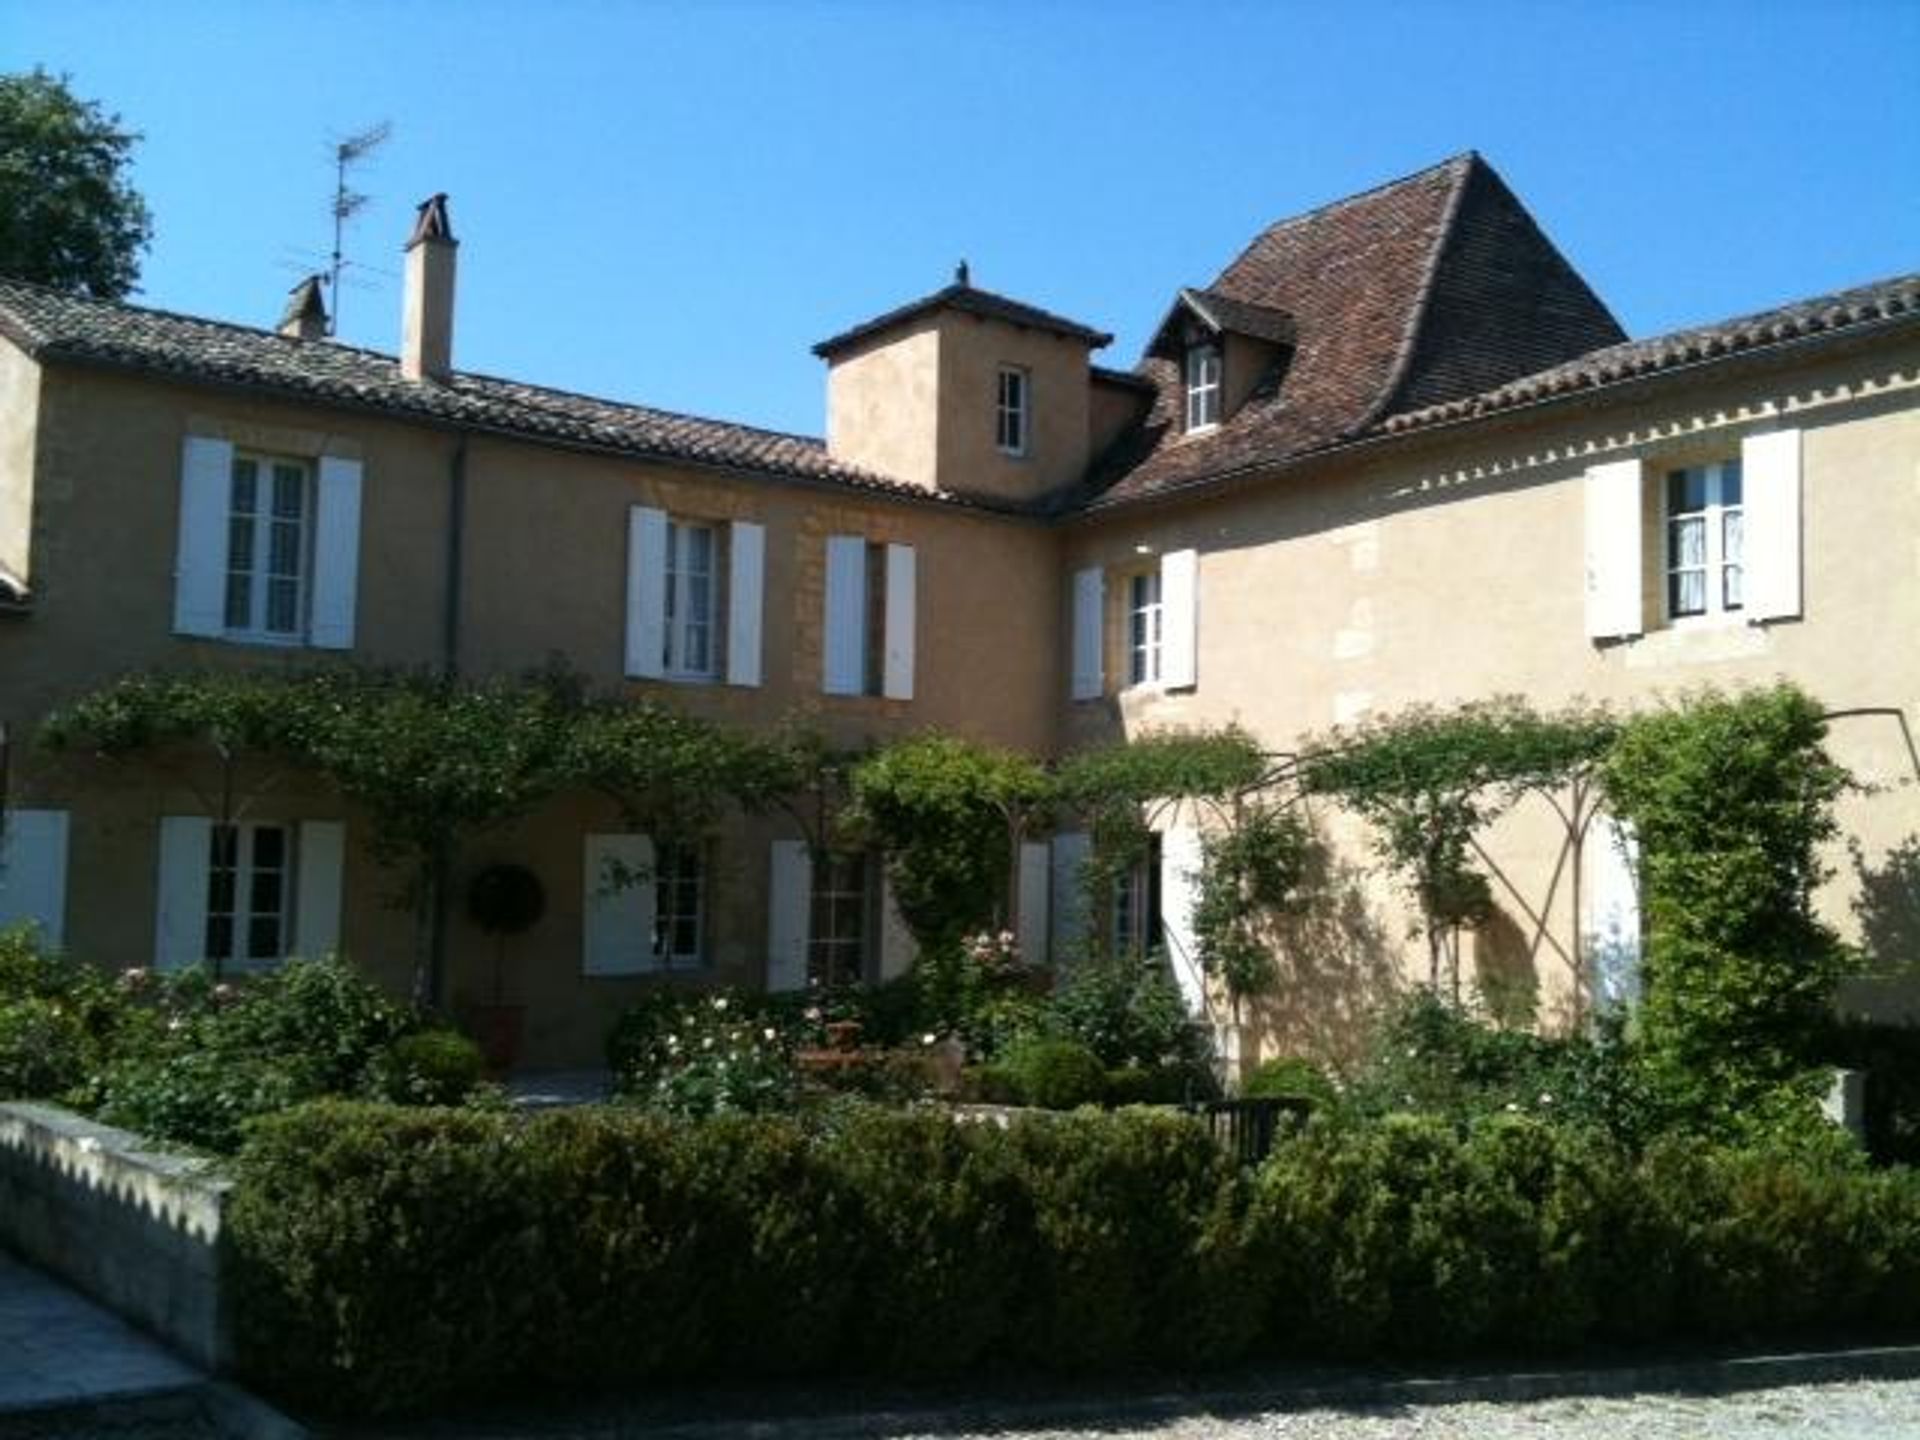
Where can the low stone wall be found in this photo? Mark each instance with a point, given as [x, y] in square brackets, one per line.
[134, 1228]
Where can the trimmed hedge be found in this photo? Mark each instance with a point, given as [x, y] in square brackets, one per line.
[390, 1260]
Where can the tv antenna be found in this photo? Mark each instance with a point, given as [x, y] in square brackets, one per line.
[347, 202]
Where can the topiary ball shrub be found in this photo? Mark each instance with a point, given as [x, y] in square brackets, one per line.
[1056, 1074]
[432, 1067]
[1289, 1077]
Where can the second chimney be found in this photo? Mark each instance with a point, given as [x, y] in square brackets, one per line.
[426, 342]
[306, 313]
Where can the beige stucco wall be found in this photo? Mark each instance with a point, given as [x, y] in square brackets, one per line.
[882, 401]
[19, 413]
[1454, 569]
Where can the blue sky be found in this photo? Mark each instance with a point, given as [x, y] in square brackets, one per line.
[669, 203]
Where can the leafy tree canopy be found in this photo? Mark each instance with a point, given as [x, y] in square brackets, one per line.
[68, 216]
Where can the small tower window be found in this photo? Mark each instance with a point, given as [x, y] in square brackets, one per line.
[1010, 412]
[1203, 386]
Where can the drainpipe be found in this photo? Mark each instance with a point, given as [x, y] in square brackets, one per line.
[450, 667]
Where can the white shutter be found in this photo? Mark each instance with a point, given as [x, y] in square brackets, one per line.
[1770, 491]
[1089, 607]
[898, 949]
[646, 593]
[336, 553]
[33, 872]
[1067, 910]
[1035, 878]
[1610, 926]
[1614, 550]
[845, 641]
[746, 591]
[1180, 861]
[897, 683]
[180, 922]
[321, 853]
[617, 916]
[200, 568]
[1179, 619]
[789, 909]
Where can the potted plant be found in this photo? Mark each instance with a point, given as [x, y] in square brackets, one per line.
[503, 900]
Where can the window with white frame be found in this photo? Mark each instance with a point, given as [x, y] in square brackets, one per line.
[1144, 628]
[689, 648]
[679, 907]
[249, 885]
[1203, 386]
[1705, 560]
[839, 922]
[1010, 411]
[269, 509]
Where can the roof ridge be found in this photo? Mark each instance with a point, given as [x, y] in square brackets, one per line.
[1465, 160]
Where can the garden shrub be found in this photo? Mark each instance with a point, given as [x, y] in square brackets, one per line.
[389, 1259]
[1055, 1074]
[428, 1067]
[1289, 1077]
[701, 1054]
[42, 1048]
[1731, 798]
[1126, 1012]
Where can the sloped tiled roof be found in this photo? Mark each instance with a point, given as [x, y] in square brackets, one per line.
[969, 300]
[1432, 287]
[54, 326]
[1883, 302]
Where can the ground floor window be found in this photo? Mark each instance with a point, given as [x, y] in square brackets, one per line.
[679, 907]
[1134, 921]
[248, 887]
[840, 920]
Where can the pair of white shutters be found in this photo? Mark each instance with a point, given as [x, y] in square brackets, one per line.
[1180, 861]
[200, 571]
[1617, 547]
[186, 852]
[33, 872]
[790, 920]
[844, 652]
[647, 596]
[1179, 626]
[617, 913]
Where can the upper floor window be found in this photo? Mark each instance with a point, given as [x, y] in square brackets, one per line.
[689, 648]
[868, 644]
[268, 509]
[1144, 628]
[1203, 386]
[268, 549]
[694, 597]
[1706, 550]
[1010, 411]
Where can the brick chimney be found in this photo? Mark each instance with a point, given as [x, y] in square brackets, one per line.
[426, 345]
[306, 313]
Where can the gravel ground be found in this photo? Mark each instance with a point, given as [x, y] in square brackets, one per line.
[1856, 1410]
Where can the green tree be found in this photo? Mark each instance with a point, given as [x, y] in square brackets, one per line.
[68, 216]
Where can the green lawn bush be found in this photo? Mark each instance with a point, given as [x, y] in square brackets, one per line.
[427, 1067]
[390, 1260]
[1054, 1074]
[1289, 1077]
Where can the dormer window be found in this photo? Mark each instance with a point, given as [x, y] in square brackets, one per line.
[1010, 411]
[1203, 386]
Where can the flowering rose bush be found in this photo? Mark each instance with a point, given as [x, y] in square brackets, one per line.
[706, 1054]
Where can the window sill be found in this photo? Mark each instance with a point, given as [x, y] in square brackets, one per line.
[1697, 644]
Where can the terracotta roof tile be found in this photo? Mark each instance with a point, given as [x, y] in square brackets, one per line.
[1885, 301]
[54, 326]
